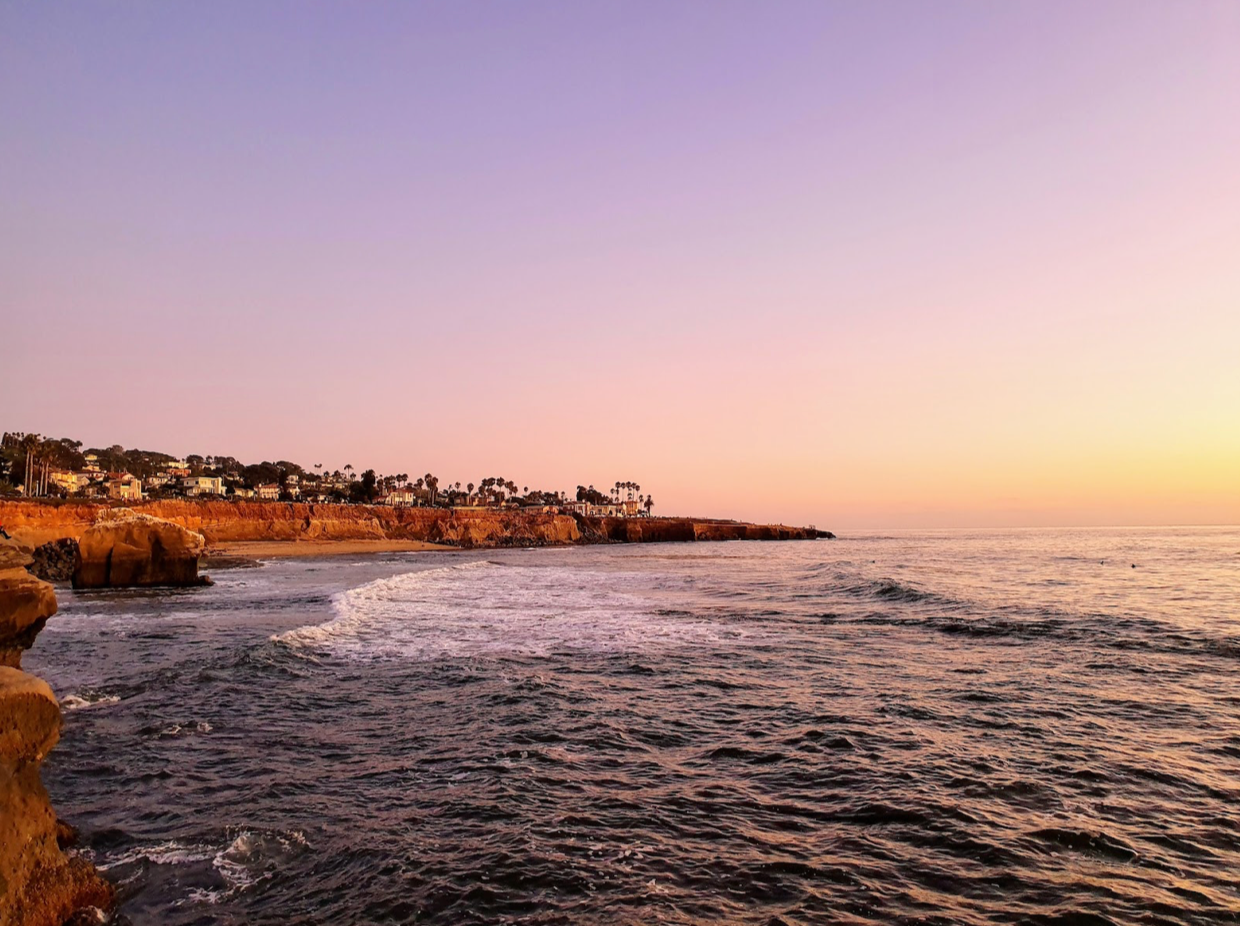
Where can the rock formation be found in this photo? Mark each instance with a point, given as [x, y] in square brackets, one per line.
[124, 548]
[25, 604]
[54, 560]
[39, 884]
[235, 521]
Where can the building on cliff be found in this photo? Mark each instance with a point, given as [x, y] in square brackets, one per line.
[125, 487]
[202, 485]
[591, 510]
[401, 498]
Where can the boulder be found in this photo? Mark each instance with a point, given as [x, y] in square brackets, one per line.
[39, 884]
[124, 548]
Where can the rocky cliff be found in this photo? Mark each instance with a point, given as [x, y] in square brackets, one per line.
[222, 522]
[124, 548]
[39, 884]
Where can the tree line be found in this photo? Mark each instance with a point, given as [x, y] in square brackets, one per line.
[28, 460]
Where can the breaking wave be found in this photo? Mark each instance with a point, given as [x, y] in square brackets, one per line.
[483, 609]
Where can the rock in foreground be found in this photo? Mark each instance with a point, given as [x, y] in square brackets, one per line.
[25, 604]
[39, 884]
[124, 548]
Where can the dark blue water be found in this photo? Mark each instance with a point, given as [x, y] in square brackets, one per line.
[1002, 727]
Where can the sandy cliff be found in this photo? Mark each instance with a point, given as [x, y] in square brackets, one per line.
[39, 884]
[224, 522]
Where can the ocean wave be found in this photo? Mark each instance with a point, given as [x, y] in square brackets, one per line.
[482, 609]
[163, 853]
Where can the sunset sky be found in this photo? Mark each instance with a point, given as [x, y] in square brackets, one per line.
[860, 264]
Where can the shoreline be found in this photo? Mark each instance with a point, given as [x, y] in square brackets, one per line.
[279, 549]
[309, 529]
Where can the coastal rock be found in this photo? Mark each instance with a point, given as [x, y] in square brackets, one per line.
[25, 604]
[223, 522]
[54, 560]
[14, 555]
[39, 884]
[125, 548]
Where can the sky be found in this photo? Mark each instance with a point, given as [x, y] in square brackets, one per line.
[856, 264]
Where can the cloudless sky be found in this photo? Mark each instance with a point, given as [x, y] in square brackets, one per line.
[861, 264]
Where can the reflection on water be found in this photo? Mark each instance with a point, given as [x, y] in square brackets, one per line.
[1025, 727]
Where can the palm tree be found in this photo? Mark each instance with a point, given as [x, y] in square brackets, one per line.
[30, 445]
[348, 468]
[649, 503]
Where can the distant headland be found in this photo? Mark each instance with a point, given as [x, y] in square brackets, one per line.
[53, 489]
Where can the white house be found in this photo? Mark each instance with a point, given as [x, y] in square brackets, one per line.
[269, 491]
[400, 498]
[202, 485]
[125, 487]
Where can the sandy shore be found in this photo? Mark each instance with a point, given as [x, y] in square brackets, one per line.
[267, 549]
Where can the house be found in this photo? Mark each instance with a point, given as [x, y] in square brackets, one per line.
[400, 498]
[202, 485]
[157, 480]
[242, 492]
[67, 481]
[268, 491]
[590, 510]
[126, 487]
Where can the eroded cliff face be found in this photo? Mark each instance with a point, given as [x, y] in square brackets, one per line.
[124, 549]
[224, 522]
[39, 884]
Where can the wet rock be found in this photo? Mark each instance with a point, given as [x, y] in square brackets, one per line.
[124, 548]
[54, 560]
[39, 884]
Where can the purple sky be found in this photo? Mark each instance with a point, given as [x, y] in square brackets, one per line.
[862, 264]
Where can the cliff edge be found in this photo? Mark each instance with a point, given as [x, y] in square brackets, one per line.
[39, 884]
[230, 522]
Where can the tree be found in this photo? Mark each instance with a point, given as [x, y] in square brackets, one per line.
[365, 490]
[649, 503]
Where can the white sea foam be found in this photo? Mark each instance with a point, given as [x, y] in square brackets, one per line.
[484, 609]
[164, 853]
[177, 729]
[75, 702]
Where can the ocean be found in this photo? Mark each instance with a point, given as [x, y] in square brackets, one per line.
[957, 727]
